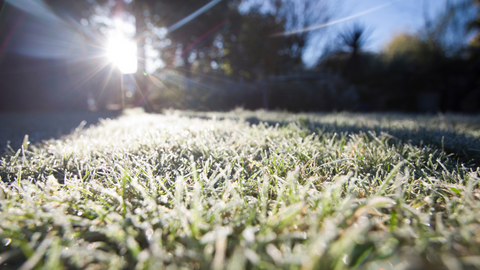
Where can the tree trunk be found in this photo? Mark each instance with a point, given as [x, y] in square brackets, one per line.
[141, 75]
[188, 74]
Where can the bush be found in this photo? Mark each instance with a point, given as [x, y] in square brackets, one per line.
[411, 49]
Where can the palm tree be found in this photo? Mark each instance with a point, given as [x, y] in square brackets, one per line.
[354, 39]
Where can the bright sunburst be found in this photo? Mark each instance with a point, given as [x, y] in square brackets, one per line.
[123, 53]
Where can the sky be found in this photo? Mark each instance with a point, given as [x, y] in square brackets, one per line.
[400, 16]
[384, 23]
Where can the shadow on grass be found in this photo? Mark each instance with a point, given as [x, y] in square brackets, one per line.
[455, 134]
[462, 145]
[43, 126]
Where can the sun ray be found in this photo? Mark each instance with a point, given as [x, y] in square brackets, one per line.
[91, 75]
[216, 78]
[122, 92]
[6, 41]
[143, 96]
[106, 81]
[194, 82]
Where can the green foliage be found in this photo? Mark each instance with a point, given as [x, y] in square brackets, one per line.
[411, 49]
[197, 191]
[475, 24]
[435, 62]
[251, 53]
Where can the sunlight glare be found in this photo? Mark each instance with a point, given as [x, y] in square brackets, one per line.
[123, 53]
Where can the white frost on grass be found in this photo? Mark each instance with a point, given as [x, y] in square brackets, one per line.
[193, 190]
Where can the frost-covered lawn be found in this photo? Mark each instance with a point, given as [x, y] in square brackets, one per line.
[247, 190]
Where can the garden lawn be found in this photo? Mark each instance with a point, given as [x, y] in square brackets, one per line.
[256, 190]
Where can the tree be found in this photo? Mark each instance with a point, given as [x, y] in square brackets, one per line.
[448, 31]
[250, 52]
[347, 56]
[238, 42]
[475, 25]
[411, 50]
[182, 44]
[354, 40]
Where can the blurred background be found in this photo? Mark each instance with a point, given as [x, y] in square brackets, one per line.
[296, 55]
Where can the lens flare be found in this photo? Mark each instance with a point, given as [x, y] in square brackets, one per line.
[123, 53]
[315, 27]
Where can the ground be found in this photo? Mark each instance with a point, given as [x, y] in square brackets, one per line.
[244, 189]
[45, 125]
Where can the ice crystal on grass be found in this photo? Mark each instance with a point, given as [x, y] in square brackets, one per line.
[246, 190]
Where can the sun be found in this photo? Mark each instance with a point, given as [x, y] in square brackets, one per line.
[122, 52]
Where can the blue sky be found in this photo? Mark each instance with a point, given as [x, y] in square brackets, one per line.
[401, 16]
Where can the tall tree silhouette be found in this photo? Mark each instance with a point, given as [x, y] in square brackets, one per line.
[354, 40]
